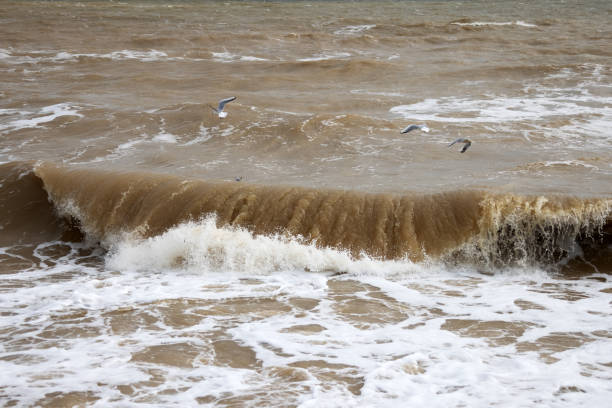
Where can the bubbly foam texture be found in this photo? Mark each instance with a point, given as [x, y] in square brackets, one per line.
[587, 115]
[204, 135]
[506, 23]
[325, 56]
[151, 55]
[202, 245]
[164, 137]
[494, 110]
[354, 29]
[219, 325]
[13, 57]
[29, 119]
[229, 57]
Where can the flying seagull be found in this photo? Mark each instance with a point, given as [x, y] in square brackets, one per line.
[423, 127]
[222, 103]
[466, 143]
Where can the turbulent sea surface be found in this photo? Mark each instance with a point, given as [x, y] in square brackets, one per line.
[352, 265]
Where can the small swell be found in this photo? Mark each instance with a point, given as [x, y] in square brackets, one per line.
[336, 64]
[148, 42]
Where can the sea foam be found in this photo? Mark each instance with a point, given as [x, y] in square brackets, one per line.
[43, 115]
[423, 335]
[203, 246]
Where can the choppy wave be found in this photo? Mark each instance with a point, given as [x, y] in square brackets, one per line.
[492, 23]
[585, 115]
[462, 227]
[494, 110]
[335, 64]
[229, 57]
[13, 57]
[558, 164]
[45, 114]
[325, 57]
[354, 29]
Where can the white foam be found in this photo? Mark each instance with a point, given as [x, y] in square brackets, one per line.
[227, 131]
[397, 343]
[41, 116]
[569, 115]
[499, 109]
[224, 56]
[251, 58]
[12, 112]
[151, 55]
[9, 57]
[131, 143]
[333, 121]
[229, 57]
[377, 93]
[67, 56]
[507, 23]
[201, 245]
[589, 116]
[569, 163]
[324, 57]
[164, 137]
[144, 141]
[203, 137]
[354, 29]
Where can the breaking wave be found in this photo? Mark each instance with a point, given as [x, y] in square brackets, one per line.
[460, 227]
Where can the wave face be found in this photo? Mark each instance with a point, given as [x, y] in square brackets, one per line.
[464, 227]
[27, 215]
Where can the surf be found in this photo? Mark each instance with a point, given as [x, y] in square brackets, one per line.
[466, 227]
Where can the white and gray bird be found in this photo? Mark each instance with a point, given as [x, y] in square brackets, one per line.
[466, 143]
[222, 104]
[410, 128]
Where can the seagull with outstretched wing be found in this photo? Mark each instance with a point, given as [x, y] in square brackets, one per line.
[410, 128]
[466, 143]
[222, 104]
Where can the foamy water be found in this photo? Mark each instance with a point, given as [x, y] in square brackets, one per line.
[354, 29]
[164, 312]
[229, 57]
[64, 56]
[506, 23]
[44, 115]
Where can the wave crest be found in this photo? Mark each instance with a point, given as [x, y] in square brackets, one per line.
[493, 230]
